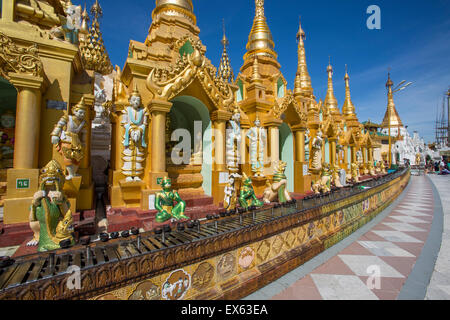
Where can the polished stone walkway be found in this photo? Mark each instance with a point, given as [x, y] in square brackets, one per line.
[439, 287]
[374, 263]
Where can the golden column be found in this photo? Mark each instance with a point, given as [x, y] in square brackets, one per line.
[219, 119]
[28, 116]
[86, 161]
[300, 145]
[26, 147]
[274, 138]
[332, 142]
[159, 110]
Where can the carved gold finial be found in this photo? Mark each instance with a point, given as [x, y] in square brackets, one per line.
[225, 72]
[94, 54]
[302, 84]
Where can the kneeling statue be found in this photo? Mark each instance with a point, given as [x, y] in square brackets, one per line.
[277, 191]
[164, 203]
[247, 196]
[50, 214]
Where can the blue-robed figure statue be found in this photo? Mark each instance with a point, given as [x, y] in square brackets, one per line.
[135, 121]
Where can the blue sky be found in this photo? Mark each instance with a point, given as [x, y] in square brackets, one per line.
[414, 41]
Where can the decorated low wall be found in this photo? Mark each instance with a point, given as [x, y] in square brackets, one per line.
[229, 265]
[239, 272]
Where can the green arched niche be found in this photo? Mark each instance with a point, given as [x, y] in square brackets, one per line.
[186, 110]
[8, 96]
[287, 153]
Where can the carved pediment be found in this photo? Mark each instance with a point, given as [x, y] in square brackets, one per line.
[166, 83]
[19, 59]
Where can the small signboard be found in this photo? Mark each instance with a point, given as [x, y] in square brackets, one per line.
[305, 170]
[223, 177]
[22, 183]
[56, 105]
[151, 202]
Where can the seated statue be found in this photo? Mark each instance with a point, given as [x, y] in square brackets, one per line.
[372, 169]
[164, 203]
[323, 185]
[378, 167]
[277, 191]
[336, 177]
[383, 168]
[355, 173]
[50, 214]
[247, 197]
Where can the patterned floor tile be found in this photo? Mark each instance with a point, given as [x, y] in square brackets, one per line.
[356, 248]
[361, 265]
[396, 236]
[385, 248]
[303, 289]
[399, 226]
[334, 266]
[342, 287]
[403, 265]
[413, 213]
[407, 219]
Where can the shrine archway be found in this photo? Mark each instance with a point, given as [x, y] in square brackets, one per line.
[287, 153]
[186, 110]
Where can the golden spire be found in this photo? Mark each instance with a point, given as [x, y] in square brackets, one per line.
[349, 108]
[330, 103]
[302, 79]
[93, 51]
[395, 118]
[225, 71]
[260, 40]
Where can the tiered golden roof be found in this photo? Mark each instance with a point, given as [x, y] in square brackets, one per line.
[225, 71]
[302, 79]
[94, 54]
[260, 41]
[182, 8]
[395, 118]
[331, 104]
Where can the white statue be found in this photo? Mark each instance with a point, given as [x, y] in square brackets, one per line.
[316, 152]
[307, 139]
[135, 122]
[229, 201]
[234, 141]
[197, 152]
[69, 137]
[257, 136]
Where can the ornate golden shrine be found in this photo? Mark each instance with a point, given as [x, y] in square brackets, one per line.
[168, 69]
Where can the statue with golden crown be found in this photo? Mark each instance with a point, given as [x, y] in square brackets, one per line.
[316, 152]
[233, 141]
[257, 137]
[69, 138]
[169, 203]
[135, 121]
[50, 214]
